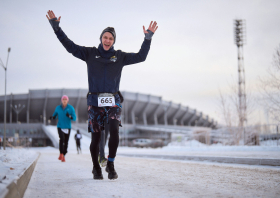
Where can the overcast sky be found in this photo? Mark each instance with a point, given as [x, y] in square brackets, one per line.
[192, 53]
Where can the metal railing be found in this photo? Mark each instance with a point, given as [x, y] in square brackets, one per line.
[264, 135]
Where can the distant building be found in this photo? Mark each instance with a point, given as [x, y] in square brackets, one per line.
[143, 116]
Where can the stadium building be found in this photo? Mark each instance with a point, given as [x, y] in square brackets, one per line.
[143, 116]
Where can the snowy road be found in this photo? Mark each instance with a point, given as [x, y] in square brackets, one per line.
[150, 178]
[139, 177]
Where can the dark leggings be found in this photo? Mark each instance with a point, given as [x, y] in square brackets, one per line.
[113, 142]
[63, 140]
[78, 144]
[104, 133]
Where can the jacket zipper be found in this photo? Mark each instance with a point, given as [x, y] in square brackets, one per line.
[105, 67]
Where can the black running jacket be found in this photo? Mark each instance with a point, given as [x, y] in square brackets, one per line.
[103, 74]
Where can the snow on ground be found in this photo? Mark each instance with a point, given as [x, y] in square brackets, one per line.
[140, 177]
[195, 148]
[13, 157]
[13, 162]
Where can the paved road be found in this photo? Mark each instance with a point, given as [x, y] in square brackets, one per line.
[150, 178]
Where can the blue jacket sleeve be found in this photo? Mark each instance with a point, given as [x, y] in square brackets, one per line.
[55, 113]
[73, 114]
[132, 58]
[80, 52]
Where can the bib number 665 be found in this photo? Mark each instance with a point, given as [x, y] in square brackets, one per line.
[106, 100]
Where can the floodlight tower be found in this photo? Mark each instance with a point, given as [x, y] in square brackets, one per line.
[240, 37]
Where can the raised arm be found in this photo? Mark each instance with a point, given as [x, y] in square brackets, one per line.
[80, 52]
[132, 58]
[151, 30]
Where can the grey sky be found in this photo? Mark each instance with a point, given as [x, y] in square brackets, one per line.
[192, 53]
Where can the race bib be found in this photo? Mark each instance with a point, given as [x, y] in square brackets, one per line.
[65, 131]
[106, 101]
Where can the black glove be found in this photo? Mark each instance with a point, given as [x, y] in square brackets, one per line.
[69, 116]
[52, 118]
[55, 24]
[149, 35]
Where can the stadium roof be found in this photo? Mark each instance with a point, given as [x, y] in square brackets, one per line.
[138, 109]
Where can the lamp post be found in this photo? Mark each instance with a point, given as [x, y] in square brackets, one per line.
[5, 68]
[17, 109]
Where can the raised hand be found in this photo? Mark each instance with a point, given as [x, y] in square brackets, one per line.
[53, 20]
[150, 31]
[153, 27]
[52, 15]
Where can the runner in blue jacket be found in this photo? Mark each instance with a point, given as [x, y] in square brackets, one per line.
[65, 113]
[104, 66]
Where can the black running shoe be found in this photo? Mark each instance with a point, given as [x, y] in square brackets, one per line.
[111, 170]
[97, 173]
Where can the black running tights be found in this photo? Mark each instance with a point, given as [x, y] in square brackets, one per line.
[63, 140]
[113, 142]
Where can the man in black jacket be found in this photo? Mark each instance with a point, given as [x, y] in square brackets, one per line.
[104, 66]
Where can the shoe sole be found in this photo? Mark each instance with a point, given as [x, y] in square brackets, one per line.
[112, 178]
[99, 178]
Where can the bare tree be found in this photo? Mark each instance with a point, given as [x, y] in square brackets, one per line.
[270, 87]
[230, 111]
[229, 117]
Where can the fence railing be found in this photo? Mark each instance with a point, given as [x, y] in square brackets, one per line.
[17, 142]
[264, 135]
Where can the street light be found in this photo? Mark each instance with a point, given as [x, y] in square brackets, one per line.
[17, 109]
[5, 68]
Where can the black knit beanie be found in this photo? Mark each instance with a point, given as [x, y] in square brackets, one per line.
[111, 30]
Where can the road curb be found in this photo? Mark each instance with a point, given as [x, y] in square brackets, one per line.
[230, 160]
[17, 187]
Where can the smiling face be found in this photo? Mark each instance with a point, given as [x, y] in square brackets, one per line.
[107, 41]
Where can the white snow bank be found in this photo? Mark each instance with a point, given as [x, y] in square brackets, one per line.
[195, 148]
[13, 162]
[194, 145]
[190, 143]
